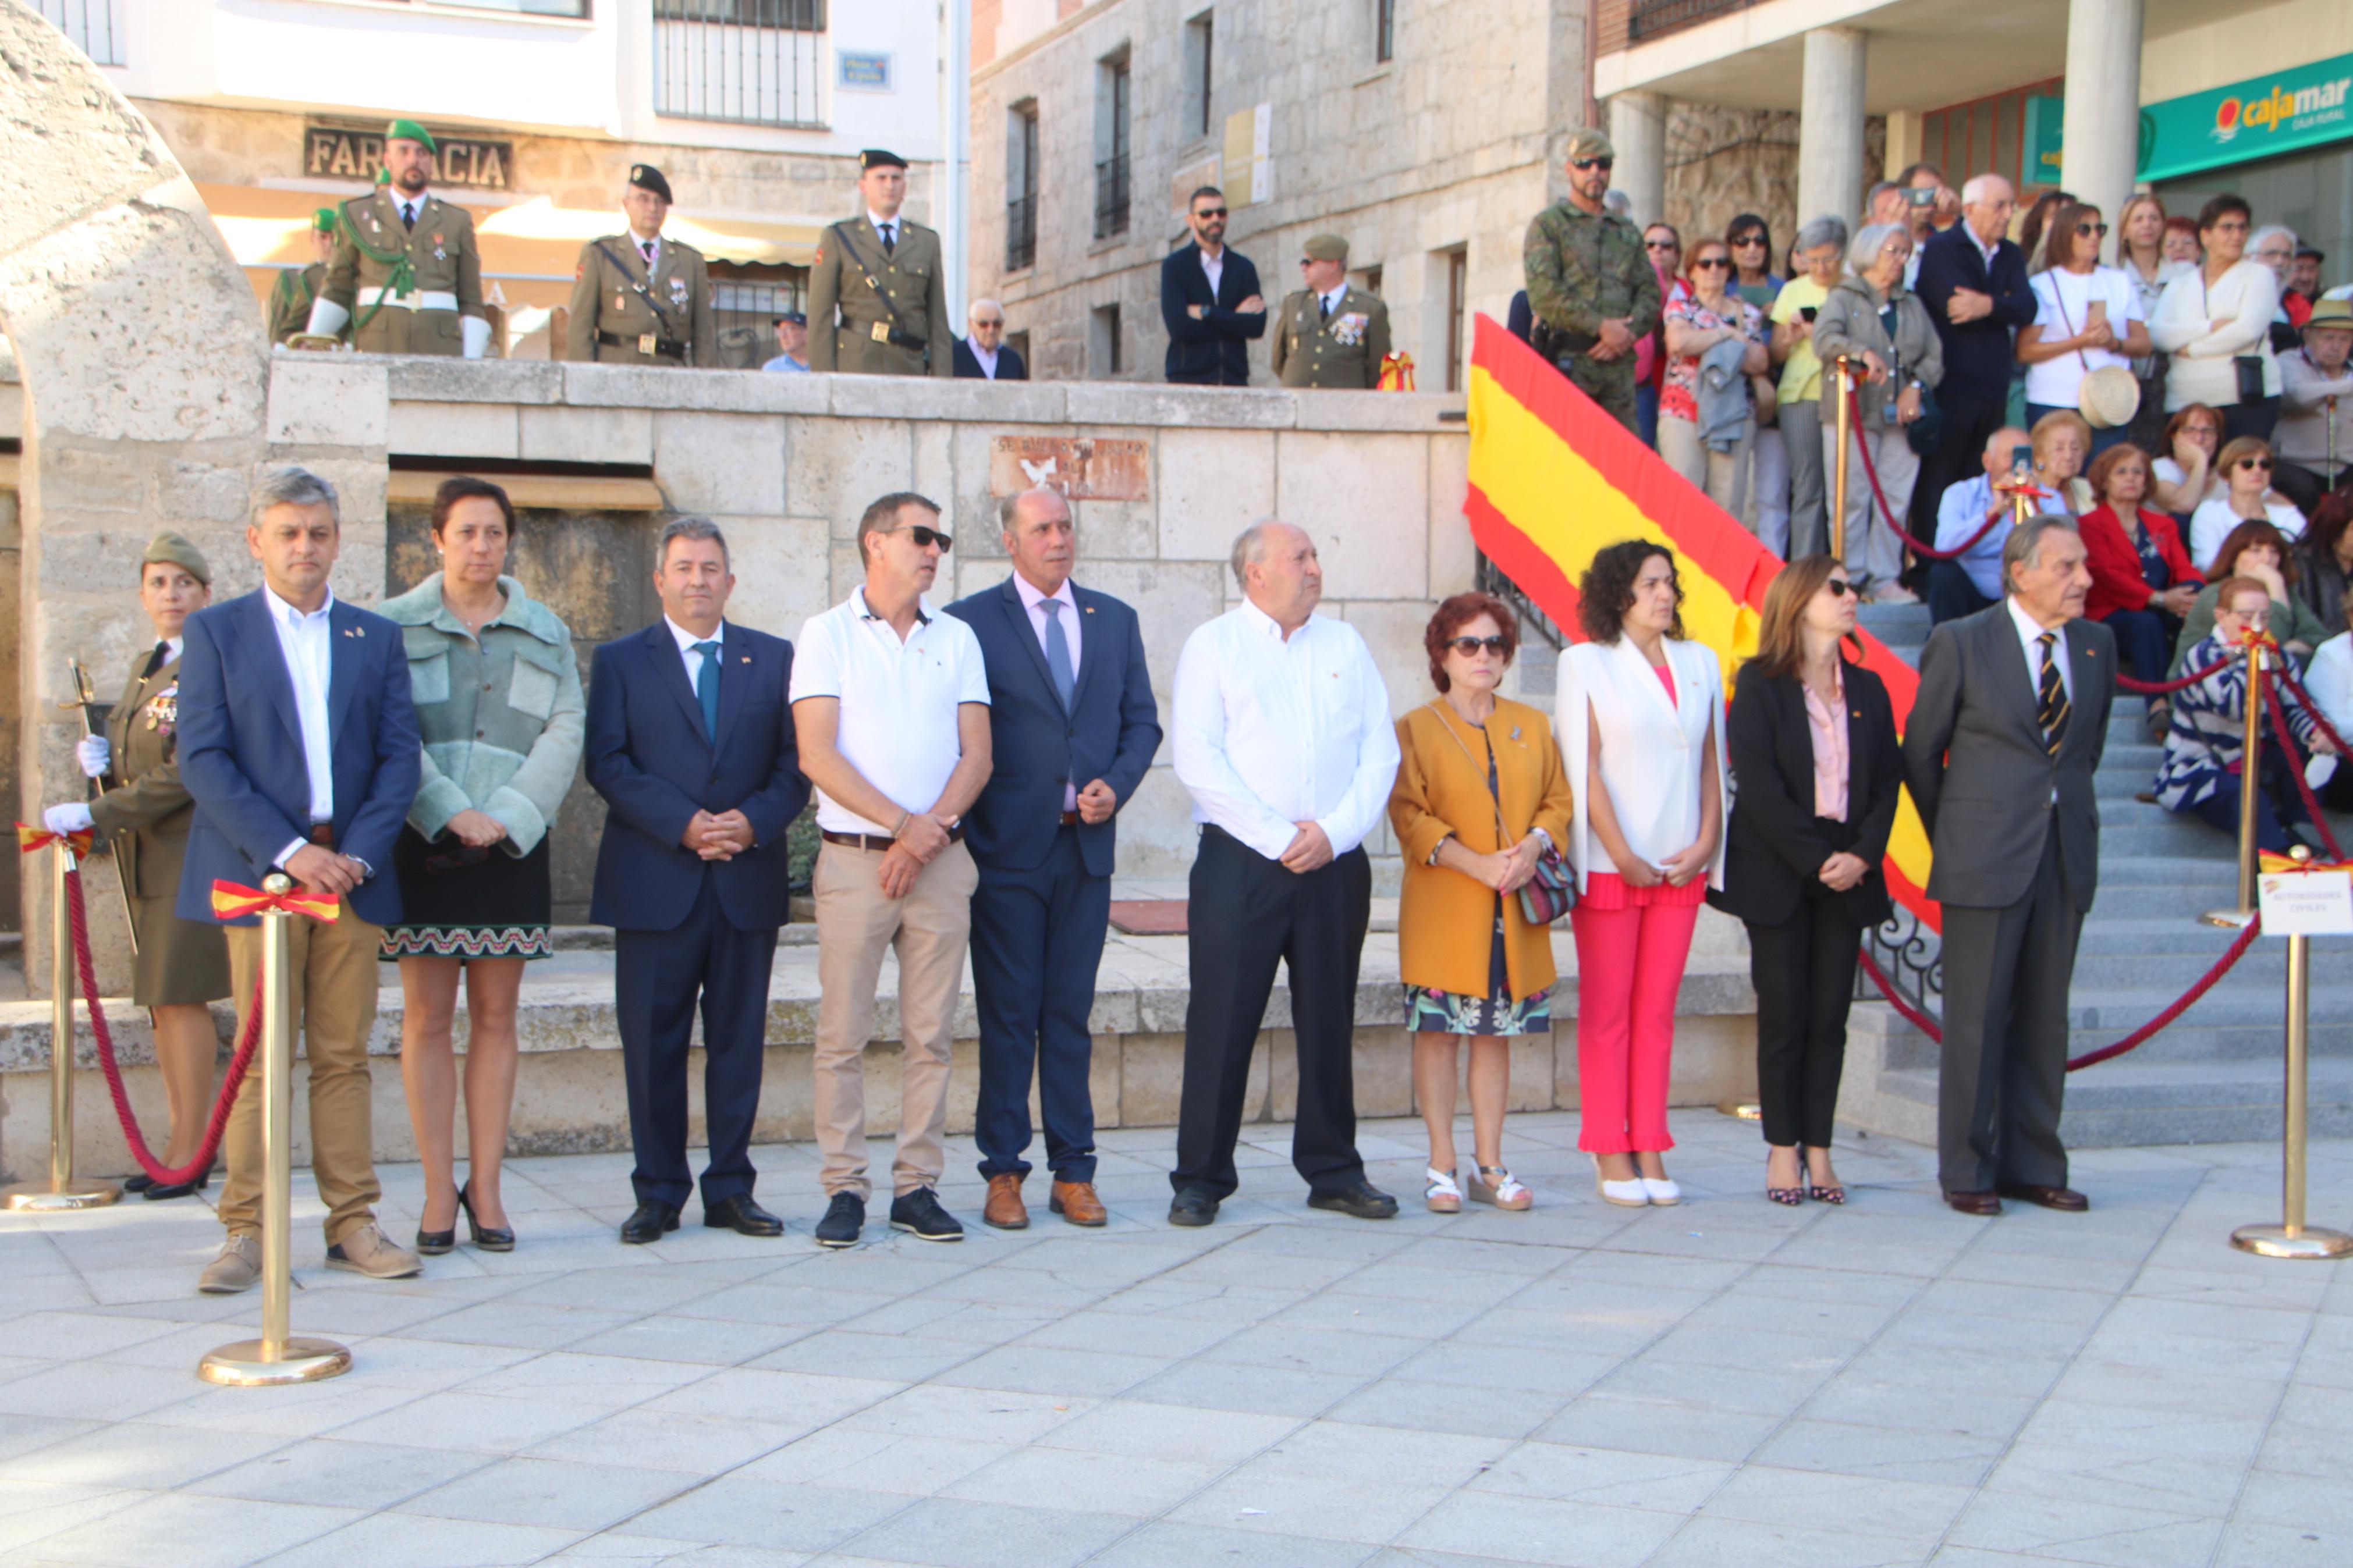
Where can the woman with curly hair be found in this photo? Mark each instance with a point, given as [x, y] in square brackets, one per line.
[1640, 717]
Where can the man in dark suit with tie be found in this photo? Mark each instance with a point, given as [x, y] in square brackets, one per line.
[1069, 699]
[300, 747]
[2005, 736]
[690, 745]
[1973, 281]
[1209, 301]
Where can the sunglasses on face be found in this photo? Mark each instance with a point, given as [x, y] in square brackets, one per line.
[1660, 244]
[1746, 241]
[1208, 212]
[2251, 464]
[1838, 587]
[1707, 263]
[1469, 646]
[1604, 164]
[925, 538]
[2099, 229]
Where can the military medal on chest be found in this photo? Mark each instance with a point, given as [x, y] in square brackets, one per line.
[163, 711]
[1349, 330]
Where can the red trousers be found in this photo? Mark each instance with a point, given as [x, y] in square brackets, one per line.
[1630, 963]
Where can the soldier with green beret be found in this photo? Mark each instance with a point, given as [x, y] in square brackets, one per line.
[886, 277]
[642, 297]
[297, 287]
[1590, 288]
[406, 275]
[1330, 333]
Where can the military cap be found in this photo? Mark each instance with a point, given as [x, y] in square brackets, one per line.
[794, 317]
[876, 158]
[323, 220]
[1325, 248]
[1589, 143]
[646, 177]
[410, 131]
[173, 549]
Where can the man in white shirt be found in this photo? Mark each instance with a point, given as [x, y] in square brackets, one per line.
[889, 699]
[1284, 740]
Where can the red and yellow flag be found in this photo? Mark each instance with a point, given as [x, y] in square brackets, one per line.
[235, 900]
[1554, 480]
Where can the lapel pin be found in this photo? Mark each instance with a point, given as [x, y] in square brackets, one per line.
[747, 659]
[1516, 731]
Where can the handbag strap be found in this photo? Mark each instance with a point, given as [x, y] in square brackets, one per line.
[1502, 832]
[2059, 299]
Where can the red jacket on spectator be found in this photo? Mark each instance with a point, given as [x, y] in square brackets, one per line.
[2117, 580]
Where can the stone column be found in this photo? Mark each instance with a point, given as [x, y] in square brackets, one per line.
[1638, 129]
[2102, 123]
[1829, 127]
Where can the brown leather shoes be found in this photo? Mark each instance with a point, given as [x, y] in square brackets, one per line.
[1076, 1202]
[2065, 1199]
[1005, 1209]
[1984, 1205]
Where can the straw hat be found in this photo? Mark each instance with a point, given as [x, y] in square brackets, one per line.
[2109, 397]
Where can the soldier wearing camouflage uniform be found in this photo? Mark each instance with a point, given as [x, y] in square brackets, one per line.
[1589, 284]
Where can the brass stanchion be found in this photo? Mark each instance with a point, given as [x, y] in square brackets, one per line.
[276, 1357]
[1842, 416]
[2250, 766]
[61, 1191]
[2290, 1238]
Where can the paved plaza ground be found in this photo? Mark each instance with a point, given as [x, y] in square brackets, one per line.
[1722, 1383]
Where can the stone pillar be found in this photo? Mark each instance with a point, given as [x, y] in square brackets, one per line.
[2102, 123]
[1638, 129]
[1830, 126]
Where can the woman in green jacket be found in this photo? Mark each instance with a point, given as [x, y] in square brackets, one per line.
[497, 699]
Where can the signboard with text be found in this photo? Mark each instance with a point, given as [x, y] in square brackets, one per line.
[2261, 117]
[465, 162]
[1084, 467]
[2305, 903]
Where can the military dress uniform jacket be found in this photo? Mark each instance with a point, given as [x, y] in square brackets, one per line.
[662, 320]
[850, 255]
[446, 281]
[1346, 350]
[290, 298]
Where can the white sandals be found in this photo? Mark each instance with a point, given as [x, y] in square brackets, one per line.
[1440, 1193]
[1495, 1184]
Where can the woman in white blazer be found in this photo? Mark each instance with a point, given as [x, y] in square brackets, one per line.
[1640, 721]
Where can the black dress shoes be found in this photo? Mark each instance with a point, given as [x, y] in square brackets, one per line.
[489, 1238]
[647, 1223]
[1985, 1206]
[742, 1215]
[919, 1214]
[1193, 1206]
[844, 1218]
[138, 1183]
[159, 1192]
[2067, 1200]
[1364, 1200]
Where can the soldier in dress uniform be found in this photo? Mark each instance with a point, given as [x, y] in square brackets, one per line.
[1589, 285]
[406, 275]
[887, 276]
[642, 297]
[296, 288]
[1330, 333]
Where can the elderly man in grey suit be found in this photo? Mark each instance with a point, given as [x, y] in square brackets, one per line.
[2004, 737]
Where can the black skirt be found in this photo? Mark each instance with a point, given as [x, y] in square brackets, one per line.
[496, 906]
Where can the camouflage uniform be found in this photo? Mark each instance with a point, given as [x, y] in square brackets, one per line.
[1583, 270]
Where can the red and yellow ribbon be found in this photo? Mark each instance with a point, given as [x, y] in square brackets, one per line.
[233, 900]
[30, 839]
[2269, 861]
[1397, 371]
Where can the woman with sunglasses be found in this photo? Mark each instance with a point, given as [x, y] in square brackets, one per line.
[1481, 796]
[1816, 770]
[1665, 248]
[2259, 550]
[498, 702]
[2088, 317]
[1714, 455]
[2245, 467]
[1754, 280]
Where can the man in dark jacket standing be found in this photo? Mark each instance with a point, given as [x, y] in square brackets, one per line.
[1209, 301]
[1973, 281]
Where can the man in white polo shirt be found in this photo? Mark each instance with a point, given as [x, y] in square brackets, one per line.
[890, 706]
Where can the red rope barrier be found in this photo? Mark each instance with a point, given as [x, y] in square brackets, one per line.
[2286, 672]
[2290, 759]
[2187, 999]
[2166, 688]
[1927, 551]
[162, 1175]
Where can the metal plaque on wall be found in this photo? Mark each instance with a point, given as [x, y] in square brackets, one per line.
[1082, 468]
[345, 152]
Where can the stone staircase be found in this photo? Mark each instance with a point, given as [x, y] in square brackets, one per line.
[2215, 1073]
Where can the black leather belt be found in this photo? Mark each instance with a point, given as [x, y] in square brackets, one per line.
[322, 833]
[876, 842]
[645, 343]
[884, 332]
[1070, 817]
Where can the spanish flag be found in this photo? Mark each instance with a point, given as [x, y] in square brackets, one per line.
[1554, 480]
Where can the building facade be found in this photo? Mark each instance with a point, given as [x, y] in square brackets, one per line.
[755, 109]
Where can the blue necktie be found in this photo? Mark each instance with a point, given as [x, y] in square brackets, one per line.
[706, 687]
[1058, 654]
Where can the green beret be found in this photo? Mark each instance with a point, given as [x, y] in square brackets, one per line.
[1326, 247]
[173, 549]
[1589, 143]
[410, 131]
[323, 220]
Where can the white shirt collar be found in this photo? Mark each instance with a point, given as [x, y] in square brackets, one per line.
[882, 223]
[687, 639]
[1264, 624]
[1988, 251]
[925, 613]
[2030, 630]
[1333, 295]
[1031, 597]
[172, 646]
[281, 610]
[987, 358]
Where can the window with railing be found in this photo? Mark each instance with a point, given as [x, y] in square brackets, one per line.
[761, 62]
[1021, 188]
[1113, 110]
[95, 26]
[1649, 18]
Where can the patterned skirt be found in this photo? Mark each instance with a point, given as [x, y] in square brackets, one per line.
[1428, 1010]
[455, 906]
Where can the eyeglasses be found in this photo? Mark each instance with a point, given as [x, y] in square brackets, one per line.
[1604, 164]
[984, 322]
[1706, 262]
[2099, 229]
[1840, 587]
[2251, 464]
[1746, 241]
[924, 538]
[1208, 212]
[1469, 646]
[1660, 244]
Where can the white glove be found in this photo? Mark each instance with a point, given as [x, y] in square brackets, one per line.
[2319, 770]
[327, 318]
[94, 755]
[71, 817]
[476, 333]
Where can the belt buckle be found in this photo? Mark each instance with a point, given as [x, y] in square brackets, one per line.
[645, 342]
[882, 331]
[404, 301]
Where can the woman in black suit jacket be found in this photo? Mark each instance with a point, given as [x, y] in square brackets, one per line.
[1816, 768]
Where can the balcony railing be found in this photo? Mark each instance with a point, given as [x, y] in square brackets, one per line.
[757, 62]
[1647, 19]
[1110, 196]
[1020, 233]
[95, 26]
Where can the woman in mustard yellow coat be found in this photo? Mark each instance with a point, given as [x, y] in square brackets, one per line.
[1480, 793]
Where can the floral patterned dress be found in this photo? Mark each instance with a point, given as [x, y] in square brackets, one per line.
[1428, 1010]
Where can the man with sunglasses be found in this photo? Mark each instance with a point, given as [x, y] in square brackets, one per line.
[1330, 333]
[1590, 281]
[890, 700]
[1209, 300]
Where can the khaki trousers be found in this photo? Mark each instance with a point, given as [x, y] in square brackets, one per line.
[331, 990]
[928, 928]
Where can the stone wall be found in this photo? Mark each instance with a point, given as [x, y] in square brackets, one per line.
[1722, 162]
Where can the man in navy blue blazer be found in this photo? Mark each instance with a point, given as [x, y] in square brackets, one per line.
[690, 744]
[1209, 300]
[299, 746]
[1973, 281]
[1068, 700]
